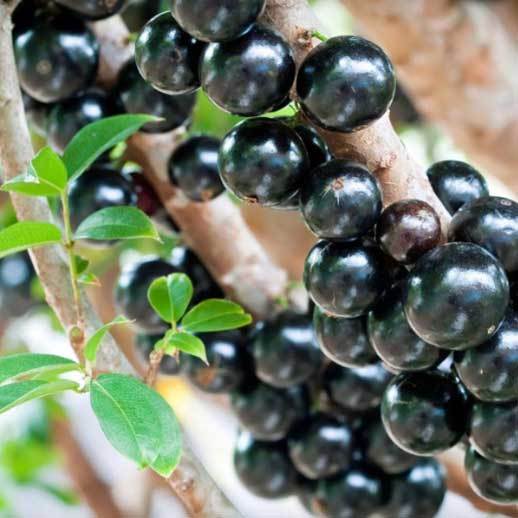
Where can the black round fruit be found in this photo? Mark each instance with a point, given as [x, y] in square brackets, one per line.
[393, 339]
[424, 413]
[136, 96]
[316, 146]
[37, 114]
[264, 467]
[492, 481]
[94, 9]
[228, 363]
[345, 279]
[492, 223]
[456, 296]
[285, 350]
[267, 412]
[167, 57]
[320, 446]
[343, 340]
[408, 229]
[490, 371]
[340, 200]
[456, 183]
[193, 167]
[263, 160]
[250, 75]
[493, 431]
[346, 83]
[359, 389]
[216, 20]
[56, 56]
[16, 276]
[145, 344]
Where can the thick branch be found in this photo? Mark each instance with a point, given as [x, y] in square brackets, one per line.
[457, 60]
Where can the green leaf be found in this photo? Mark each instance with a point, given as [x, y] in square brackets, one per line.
[96, 138]
[186, 343]
[215, 315]
[136, 421]
[117, 223]
[15, 394]
[27, 234]
[94, 342]
[169, 296]
[82, 264]
[29, 186]
[30, 365]
[89, 279]
[50, 169]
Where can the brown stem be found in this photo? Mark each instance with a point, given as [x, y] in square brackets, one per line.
[154, 364]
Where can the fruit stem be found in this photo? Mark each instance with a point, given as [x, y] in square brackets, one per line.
[319, 35]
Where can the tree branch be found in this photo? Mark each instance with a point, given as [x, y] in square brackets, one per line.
[457, 60]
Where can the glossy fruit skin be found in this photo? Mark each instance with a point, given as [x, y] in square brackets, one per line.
[67, 118]
[346, 83]
[384, 453]
[193, 167]
[262, 161]
[343, 340]
[393, 339]
[216, 20]
[359, 389]
[316, 146]
[16, 276]
[285, 350]
[145, 344]
[407, 229]
[345, 279]
[320, 446]
[167, 57]
[268, 413]
[136, 96]
[37, 114]
[418, 492]
[456, 183]
[94, 9]
[424, 413]
[340, 200]
[493, 431]
[490, 371]
[494, 482]
[250, 75]
[360, 491]
[456, 296]
[56, 56]
[229, 363]
[264, 467]
[492, 223]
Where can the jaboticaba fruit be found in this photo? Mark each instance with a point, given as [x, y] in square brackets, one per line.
[145, 344]
[345, 279]
[137, 96]
[67, 118]
[340, 200]
[456, 296]
[216, 20]
[346, 83]
[407, 229]
[16, 276]
[263, 160]
[94, 9]
[167, 57]
[285, 350]
[320, 446]
[250, 75]
[425, 413]
[492, 223]
[316, 146]
[37, 114]
[456, 183]
[343, 340]
[56, 56]
[193, 167]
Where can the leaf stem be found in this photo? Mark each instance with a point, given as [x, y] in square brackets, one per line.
[319, 35]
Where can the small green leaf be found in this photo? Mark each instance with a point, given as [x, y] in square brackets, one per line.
[96, 138]
[50, 169]
[117, 223]
[30, 365]
[29, 186]
[186, 343]
[15, 394]
[27, 234]
[94, 342]
[169, 296]
[89, 279]
[215, 315]
[82, 264]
